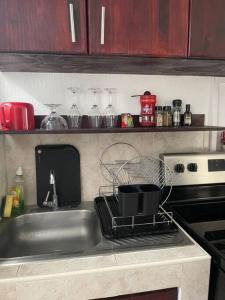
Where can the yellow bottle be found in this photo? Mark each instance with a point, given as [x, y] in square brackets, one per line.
[18, 192]
[8, 206]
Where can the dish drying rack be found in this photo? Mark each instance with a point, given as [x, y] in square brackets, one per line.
[137, 169]
[116, 226]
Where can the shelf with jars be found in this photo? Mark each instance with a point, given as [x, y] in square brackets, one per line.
[197, 125]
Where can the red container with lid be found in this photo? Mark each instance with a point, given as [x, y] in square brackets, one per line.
[16, 116]
[147, 115]
[223, 137]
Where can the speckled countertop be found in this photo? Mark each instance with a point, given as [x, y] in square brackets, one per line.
[186, 267]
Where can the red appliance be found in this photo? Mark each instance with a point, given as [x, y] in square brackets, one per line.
[147, 115]
[16, 116]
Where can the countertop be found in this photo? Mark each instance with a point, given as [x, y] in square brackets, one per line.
[110, 274]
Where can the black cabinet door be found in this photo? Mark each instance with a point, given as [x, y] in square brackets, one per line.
[167, 294]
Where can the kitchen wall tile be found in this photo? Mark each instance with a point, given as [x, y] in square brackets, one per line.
[8, 291]
[8, 271]
[41, 289]
[118, 281]
[191, 274]
[19, 150]
[93, 262]
[165, 255]
[179, 142]
[41, 268]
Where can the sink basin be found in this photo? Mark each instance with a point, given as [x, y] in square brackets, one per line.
[42, 233]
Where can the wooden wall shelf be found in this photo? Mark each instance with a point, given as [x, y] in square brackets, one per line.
[25, 62]
[118, 130]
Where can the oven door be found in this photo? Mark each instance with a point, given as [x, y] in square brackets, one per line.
[217, 283]
[205, 222]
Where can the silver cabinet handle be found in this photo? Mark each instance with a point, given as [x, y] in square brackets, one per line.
[72, 23]
[102, 42]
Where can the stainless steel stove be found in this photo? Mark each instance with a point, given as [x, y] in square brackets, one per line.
[198, 203]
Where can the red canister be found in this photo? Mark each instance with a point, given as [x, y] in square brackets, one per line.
[147, 115]
[16, 116]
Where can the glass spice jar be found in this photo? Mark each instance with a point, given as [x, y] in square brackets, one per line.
[167, 116]
[159, 116]
[177, 112]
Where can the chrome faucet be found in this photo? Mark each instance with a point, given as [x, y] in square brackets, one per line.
[54, 202]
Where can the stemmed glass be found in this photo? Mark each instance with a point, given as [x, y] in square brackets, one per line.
[109, 112]
[74, 118]
[95, 115]
[53, 121]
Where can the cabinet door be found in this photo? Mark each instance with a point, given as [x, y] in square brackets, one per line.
[168, 294]
[43, 26]
[144, 27]
[207, 30]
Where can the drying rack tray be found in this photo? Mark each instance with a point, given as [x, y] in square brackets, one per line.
[115, 226]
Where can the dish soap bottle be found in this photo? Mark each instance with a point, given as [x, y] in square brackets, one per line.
[18, 191]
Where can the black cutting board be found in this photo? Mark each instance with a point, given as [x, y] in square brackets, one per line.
[64, 160]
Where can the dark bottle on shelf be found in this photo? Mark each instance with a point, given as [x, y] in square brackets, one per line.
[188, 116]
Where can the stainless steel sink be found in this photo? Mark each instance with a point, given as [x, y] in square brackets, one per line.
[49, 232]
[40, 235]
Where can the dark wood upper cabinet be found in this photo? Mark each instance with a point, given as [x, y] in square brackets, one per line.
[43, 26]
[145, 27]
[167, 294]
[207, 29]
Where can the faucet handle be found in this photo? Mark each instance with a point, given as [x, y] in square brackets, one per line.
[45, 203]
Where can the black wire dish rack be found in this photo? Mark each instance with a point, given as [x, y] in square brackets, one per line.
[125, 207]
[114, 225]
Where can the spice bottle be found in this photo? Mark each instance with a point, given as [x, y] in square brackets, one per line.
[177, 112]
[188, 116]
[167, 116]
[159, 116]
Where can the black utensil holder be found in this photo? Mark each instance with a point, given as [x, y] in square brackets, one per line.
[151, 198]
[139, 199]
[128, 200]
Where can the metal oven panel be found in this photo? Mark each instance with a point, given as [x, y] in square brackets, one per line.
[196, 168]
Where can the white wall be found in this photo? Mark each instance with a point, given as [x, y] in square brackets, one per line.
[39, 88]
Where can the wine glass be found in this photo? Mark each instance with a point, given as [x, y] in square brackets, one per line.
[53, 121]
[74, 118]
[95, 117]
[109, 112]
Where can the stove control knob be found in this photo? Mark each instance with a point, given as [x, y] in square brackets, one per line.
[192, 167]
[179, 168]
